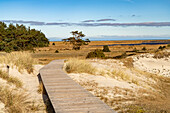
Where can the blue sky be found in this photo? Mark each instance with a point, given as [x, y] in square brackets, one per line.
[98, 19]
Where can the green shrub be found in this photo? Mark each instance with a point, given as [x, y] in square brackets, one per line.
[164, 47]
[7, 50]
[53, 43]
[161, 48]
[96, 54]
[168, 45]
[106, 48]
[135, 50]
[56, 51]
[144, 48]
[124, 55]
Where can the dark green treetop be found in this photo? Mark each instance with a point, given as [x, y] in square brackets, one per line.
[18, 37]
[76, 40]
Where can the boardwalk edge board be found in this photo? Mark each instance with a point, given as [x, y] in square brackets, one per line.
[66, 95]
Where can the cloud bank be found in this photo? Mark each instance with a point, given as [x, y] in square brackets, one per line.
[90, 23]
[100, 20]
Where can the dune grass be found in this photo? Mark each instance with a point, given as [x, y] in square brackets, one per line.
[75, 65]
[22, 60]
[41, 88]
[161, 54]
[11, 79]
[121, 74]
[16, 102]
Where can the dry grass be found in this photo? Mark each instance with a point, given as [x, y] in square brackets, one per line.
[75, 65]
[16, 102]
[121, 74]
[152, 95]
[128, 62]
[22, 60]
[47, 54]
[117, 103]
[162, 54]
[11, 79]
[145, 102]
[40, 88]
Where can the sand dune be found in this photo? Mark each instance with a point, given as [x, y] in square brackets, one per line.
[124, 88]
[146, 62]
[30, 85]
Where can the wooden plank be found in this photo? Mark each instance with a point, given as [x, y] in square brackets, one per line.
[66, 95]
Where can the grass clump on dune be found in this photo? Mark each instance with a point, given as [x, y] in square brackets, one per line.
[75, 65]
[160, 55]
[120, 74]
[15, 102]
[22, 60]
[11, 79]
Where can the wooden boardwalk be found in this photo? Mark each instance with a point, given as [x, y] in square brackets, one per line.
[66, 95]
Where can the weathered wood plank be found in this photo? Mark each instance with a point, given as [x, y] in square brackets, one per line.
[66, 95]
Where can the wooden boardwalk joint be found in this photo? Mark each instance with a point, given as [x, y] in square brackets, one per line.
[66, 95]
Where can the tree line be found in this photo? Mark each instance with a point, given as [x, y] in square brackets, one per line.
[18, 37]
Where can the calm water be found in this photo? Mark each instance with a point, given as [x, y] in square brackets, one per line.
[143, 43]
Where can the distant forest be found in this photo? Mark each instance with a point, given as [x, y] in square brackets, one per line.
[18, 37]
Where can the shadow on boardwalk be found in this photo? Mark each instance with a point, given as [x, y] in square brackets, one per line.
[65, 95]
[46, 100]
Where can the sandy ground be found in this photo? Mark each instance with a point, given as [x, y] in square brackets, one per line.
[117, 90]
[132, 88]
[30, 84]
[115, 87]
[2, 106]
[146, 62]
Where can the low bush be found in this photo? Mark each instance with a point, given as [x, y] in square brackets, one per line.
[161, 47]
[123, 55]
[53, 44]
[75, 65]
[56, 51]
[144, 48]
[106, 48]
[135, 50]
[96, 54]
